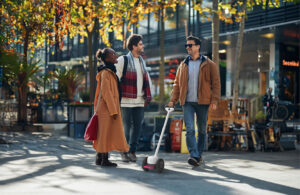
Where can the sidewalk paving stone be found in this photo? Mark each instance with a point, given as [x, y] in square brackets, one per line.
[51, 163]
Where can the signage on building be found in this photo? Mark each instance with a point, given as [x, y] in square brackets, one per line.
[289, 57]
[291, 33]
[290, 63]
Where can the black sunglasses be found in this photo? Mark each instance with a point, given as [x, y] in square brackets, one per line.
[189, 45]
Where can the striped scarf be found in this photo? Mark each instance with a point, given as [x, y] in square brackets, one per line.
[129, 84]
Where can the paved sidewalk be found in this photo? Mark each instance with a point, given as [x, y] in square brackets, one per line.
[47, 163]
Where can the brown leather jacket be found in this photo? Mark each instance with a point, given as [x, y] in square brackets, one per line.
[208, 83]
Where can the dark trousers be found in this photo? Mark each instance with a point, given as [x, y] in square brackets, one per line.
[132, 121]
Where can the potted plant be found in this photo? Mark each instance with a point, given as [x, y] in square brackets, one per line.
[68, 82]
[260, 117]
[85, 96]
[79, 112]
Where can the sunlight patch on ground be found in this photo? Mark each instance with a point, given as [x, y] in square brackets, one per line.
[74, 179]
[36, 152]
[240, 188]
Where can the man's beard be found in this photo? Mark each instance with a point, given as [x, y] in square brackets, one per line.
[141, 52]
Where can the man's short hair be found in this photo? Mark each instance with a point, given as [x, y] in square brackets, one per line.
[195, 39]
[132, 40]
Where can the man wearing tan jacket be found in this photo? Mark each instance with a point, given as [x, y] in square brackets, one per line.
[196, 86]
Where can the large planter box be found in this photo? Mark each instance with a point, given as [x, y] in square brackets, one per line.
[49, 115]
[79, 116]
[54, 112]
[77, 130]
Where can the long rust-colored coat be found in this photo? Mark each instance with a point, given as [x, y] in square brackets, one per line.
[110, 131]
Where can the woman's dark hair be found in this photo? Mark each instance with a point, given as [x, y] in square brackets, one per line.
[195, 39]
[101, 54]
[132, 40]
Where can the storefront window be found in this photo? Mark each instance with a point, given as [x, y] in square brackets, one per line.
[289, 72]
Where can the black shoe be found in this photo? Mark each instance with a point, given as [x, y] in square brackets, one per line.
[125, 157]
[132, 157]
[193, 161]
[106, 162]
[98, 159]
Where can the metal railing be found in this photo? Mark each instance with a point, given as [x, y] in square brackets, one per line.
[8, 112]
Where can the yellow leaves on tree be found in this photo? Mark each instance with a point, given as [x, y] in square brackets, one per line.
[32, 20]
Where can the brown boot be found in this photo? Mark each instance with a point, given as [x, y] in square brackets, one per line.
[98, 158]
[106, 162]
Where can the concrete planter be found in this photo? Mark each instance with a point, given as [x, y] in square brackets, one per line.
[79, 116]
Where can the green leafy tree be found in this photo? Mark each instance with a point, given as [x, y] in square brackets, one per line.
[103, 17]
[84, 19]
[28, 21]
[113, 15]
[158, 7]
[21, 75]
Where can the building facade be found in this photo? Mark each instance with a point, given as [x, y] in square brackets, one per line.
[270, 53]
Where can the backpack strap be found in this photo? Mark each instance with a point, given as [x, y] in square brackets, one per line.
[125, 67]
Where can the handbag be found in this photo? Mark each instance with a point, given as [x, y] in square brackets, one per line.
[92, 127]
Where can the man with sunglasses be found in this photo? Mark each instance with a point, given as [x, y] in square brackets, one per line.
[196, 86]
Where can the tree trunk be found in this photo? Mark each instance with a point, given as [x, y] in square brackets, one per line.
[238, 54]
[26, 42]
[91, 69]
[162, 64]
[215, 33]
[22, 101]
[22, 86]
[95, 48]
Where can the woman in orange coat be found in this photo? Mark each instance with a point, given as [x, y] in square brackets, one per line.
[110, 129]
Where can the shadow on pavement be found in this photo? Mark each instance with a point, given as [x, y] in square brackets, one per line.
[45, 154]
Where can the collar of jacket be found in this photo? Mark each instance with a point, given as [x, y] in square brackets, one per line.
[102, 67]
[201, 57]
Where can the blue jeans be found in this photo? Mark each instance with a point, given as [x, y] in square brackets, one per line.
[195, 147]
[133, 116]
